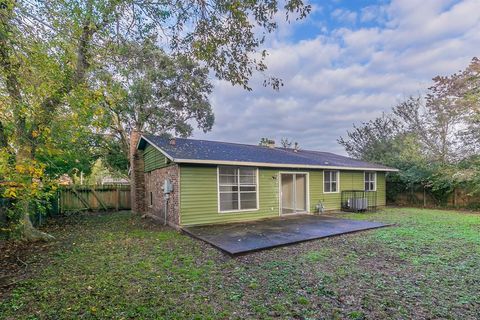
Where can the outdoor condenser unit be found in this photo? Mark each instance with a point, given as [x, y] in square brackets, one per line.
[358, 204]
[358, 200]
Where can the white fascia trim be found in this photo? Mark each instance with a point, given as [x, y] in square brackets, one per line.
[276, 165]
[156, 147]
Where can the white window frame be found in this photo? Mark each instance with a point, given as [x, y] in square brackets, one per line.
[374, 180]
[338, 181]
[239, 198]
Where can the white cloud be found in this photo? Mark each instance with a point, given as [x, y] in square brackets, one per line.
[373, 13]
[346, 16]
[350, 75]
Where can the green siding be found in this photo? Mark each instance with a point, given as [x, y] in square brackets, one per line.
[199, 199]
[153, 158]
[349, 180]
[381, 189]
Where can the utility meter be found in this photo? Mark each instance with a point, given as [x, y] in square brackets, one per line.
[167, 186]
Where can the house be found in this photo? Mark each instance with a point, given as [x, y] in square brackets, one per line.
[209, 182]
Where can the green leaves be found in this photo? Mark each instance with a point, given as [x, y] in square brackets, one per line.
[155, 93]
[433, 139]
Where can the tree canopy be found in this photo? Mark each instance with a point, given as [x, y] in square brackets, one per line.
[75, 73]
[148, 91]
[433, 139]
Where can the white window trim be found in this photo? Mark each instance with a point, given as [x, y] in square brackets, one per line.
[338, 182]
[374, 180]
[240, 210]
[279, 179]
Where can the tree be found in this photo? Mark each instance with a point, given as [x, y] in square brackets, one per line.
[433, 139]
[286, 143]
[468, 82]
[149, 91]
[52, 53]
[33, 88]
[266, 142]
[226, 36]
[372, 140]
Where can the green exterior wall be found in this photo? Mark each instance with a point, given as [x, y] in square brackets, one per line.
[199, 198]
[349, 180]
[381, 189]
[153, 159]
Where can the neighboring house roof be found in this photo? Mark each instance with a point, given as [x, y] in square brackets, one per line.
[112, 180]
[216, 152]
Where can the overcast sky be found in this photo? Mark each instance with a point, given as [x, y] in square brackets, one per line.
[348, 62]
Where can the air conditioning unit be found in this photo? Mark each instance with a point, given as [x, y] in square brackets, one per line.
[358, 204]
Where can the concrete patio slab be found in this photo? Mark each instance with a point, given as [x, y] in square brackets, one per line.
[238, 238]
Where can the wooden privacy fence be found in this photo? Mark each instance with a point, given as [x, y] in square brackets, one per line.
[420, 197]
[94, 198]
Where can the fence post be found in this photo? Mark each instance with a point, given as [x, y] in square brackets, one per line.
[60, 193]
[117, 198]
[424, 198]
[455, 197]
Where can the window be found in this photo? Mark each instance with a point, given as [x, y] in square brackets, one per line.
[370, 181]
[330, 181]
[237, 188]
[151, 199]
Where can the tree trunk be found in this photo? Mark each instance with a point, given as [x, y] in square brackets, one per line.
[24, 141]
[26, 229]
[3, 137]
[27, 232]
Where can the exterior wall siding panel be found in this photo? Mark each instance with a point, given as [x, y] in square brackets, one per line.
[381, 189]
[199, 198]
[154, 159]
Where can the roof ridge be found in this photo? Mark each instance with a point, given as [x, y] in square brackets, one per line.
[235, 143]
[216, 141]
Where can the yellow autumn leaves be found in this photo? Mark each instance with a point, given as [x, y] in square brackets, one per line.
[25, 179]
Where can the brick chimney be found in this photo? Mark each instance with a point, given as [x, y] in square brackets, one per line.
[137, 176]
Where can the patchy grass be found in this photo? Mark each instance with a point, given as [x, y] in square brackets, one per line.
[118, 266]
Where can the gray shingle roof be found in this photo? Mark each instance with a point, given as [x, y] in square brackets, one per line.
[215, 152]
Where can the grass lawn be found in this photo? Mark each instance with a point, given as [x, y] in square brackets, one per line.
[119, 266]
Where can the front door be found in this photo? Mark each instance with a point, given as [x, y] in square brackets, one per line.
[293, 192]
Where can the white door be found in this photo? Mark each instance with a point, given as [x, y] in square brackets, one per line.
[293, 192]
